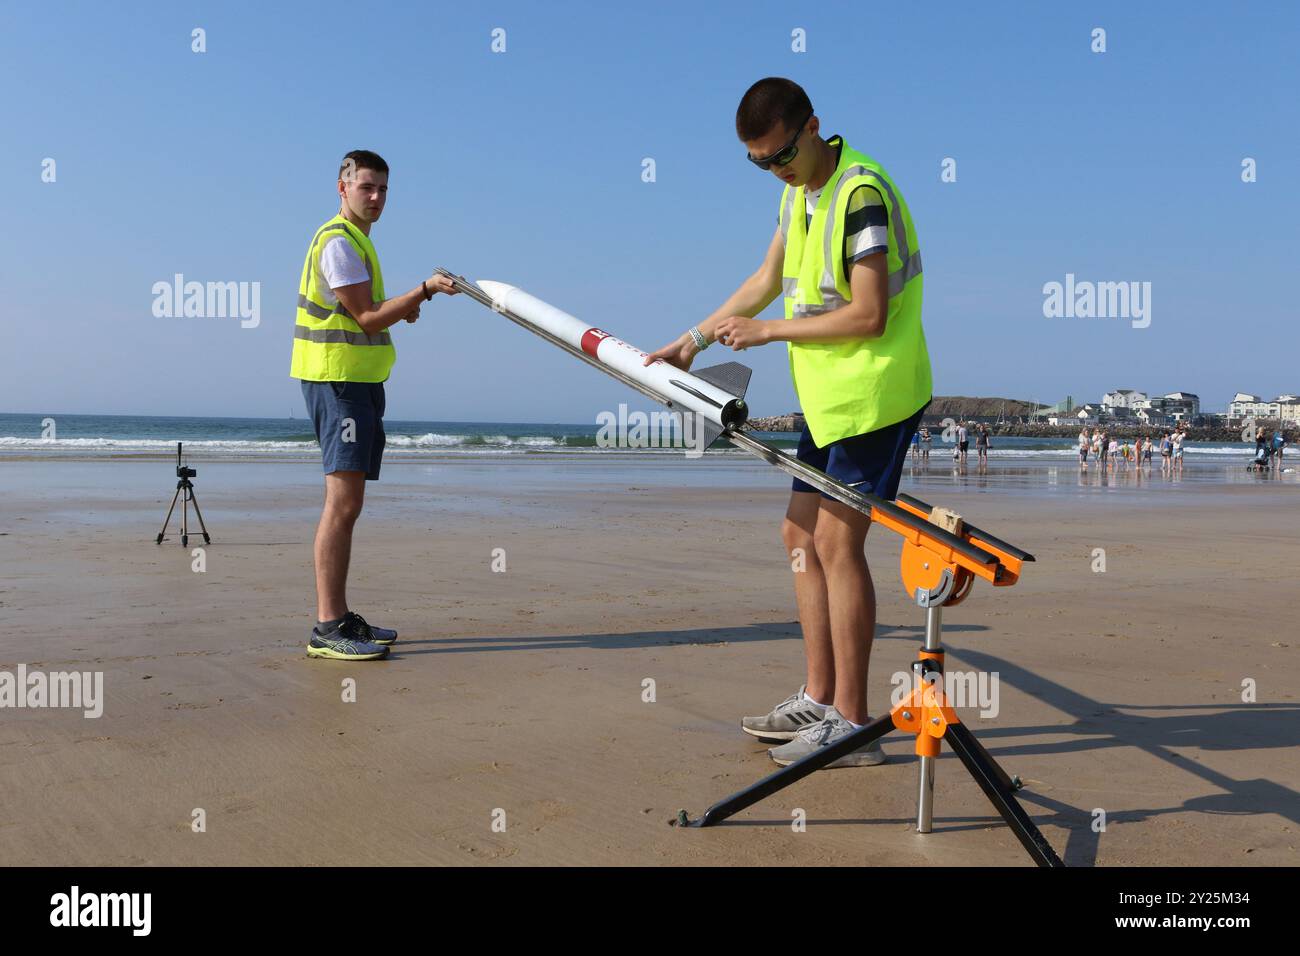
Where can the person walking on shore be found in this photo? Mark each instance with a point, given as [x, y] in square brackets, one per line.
[1083, 449]
[1179, 438]
[926, 442]
[846, 257]
[982, 445]
[342, 354]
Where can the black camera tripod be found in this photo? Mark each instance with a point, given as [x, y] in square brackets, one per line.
[186, 487]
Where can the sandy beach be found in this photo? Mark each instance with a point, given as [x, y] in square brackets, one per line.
[517, 696]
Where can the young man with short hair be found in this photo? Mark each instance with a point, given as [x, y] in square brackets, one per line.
[343, 353]
[862, 372]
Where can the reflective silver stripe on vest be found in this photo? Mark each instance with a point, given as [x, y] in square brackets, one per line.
[829, 302]
[339, 227]
[897, 279]
[911, 266]
[787, 211]
[330, 227]
[335, 336]
[828, 230]
[319, 311]
[911, 262]
[313, 308]
[901, 277]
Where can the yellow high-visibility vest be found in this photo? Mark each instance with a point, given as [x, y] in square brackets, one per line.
[851, 388]
[328, 345]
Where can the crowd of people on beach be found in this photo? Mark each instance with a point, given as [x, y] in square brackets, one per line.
[1111, 452]
[923, 441]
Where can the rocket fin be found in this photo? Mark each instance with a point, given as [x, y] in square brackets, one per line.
[711, 431]
[708, 430]
[731, 377]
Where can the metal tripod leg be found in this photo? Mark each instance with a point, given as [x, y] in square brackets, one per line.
[199, 514]
[925, 789]
[169, 515]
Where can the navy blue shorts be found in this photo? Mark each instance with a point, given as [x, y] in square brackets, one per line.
[871, 463]
[349, 422]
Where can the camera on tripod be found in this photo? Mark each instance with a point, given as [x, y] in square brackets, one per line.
[185, 495]
[181, 470]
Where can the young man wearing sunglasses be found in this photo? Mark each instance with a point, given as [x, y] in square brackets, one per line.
[846, 259]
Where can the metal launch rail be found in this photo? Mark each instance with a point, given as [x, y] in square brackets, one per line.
[938, 567]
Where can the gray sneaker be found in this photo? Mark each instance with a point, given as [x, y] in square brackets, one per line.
[786, 719]
[350, 641]
[832, 728]
[378, 635]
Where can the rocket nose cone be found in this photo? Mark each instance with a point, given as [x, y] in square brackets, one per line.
[496, 290]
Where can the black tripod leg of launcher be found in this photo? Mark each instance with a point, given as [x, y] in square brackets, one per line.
[1000, 790]
[787, 775]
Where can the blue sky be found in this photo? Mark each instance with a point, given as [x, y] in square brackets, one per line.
[525, 166]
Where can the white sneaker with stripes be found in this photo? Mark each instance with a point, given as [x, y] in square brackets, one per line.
[831, 729]
[786, 718]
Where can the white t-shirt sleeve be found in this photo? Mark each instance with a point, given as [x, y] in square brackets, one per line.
[340, 265]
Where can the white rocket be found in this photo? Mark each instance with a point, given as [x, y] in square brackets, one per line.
[714, 396]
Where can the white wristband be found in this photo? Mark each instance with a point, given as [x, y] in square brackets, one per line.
[700, 342]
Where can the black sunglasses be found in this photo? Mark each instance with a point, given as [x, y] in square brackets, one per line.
[786, 154]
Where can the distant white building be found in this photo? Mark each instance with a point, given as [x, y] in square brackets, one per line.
[1152, 416]
[1130, 404]
[1241, 404]
[1175, 406]
[1087, 414]
[1246, 405]
[1122, 398]
[1182, 404]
